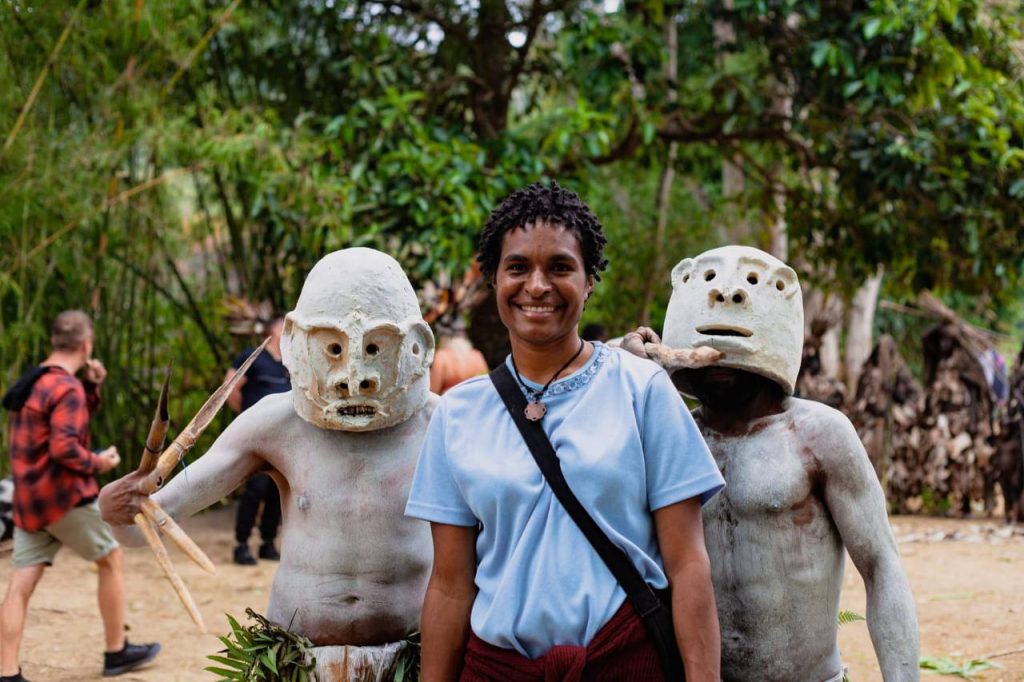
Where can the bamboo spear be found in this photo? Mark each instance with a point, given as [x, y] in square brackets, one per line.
[156, 468]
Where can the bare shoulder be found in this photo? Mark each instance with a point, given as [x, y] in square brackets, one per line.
[421, 417]
[827, 431]
[271, 416]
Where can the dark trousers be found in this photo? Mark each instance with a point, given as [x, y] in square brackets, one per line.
[259, 488]
[621, 651]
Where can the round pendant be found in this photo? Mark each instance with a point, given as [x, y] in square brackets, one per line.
[535, 411]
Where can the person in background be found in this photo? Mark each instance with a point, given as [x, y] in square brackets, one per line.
[55, 492]
[455, 359]
[592, 331]
[266, 376]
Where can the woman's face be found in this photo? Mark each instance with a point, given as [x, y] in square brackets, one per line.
[541, 283]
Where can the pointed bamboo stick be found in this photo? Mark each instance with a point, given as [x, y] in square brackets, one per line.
[157, 430]
[163, 522]
[160, 552]
[190, 434]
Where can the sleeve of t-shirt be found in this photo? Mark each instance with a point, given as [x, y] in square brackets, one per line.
[679, 464]
[240, 359]
[435, 496]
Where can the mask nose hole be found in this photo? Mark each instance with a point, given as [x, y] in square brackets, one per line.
[343, 389]
[739, 296]
[715, 296]
[367, 386]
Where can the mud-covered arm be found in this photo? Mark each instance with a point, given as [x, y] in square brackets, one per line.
[857, 504]
[232, 459]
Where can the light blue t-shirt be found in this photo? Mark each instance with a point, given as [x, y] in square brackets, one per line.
[627, 446]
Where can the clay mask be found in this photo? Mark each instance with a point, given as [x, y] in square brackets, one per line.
[356, 345]
[744, 302]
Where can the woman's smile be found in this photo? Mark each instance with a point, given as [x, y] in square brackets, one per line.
[541, 284]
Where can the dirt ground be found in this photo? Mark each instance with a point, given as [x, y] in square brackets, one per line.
[967, 577]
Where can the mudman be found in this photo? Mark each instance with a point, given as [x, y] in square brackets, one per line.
[341, 447]
[799, 485]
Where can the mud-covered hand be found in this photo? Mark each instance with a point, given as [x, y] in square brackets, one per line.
[635, 341]
[122, 499]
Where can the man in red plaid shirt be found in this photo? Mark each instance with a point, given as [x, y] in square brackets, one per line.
[55, 492]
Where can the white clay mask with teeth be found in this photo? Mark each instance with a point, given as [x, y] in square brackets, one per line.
[356, 344]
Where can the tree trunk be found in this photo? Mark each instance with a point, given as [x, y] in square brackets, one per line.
[667, 176]
[822, 316]
[860, 319]
[734, 180]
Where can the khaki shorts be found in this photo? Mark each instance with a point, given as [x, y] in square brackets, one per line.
[81, 529]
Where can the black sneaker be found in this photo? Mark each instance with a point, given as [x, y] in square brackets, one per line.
[14, 678]
[268, 551]
[243, 557]
[129, 658]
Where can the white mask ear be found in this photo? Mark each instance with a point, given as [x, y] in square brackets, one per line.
[420, 343]
[784, 279]
[293, 351]
[681, 272]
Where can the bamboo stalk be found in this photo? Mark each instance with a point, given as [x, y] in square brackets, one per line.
[160, 552]
[194, 52]
[42, 78]
[29, 254]
[162, 521]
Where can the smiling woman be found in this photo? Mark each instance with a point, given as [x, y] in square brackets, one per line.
[513, 576]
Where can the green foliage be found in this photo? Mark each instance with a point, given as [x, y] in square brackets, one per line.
[407, 666]
[967, 669]
[847, 617]
[175, 153]
[263, 651]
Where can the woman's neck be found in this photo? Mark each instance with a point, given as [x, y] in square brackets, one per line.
[539, 362]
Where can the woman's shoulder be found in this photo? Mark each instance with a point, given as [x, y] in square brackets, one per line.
[468, 393]
[630, 368]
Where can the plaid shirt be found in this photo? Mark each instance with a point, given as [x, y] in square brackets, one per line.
[51, 462]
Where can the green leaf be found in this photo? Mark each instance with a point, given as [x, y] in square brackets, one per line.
[238, 665]
[847, 617]
[1017, 188]
[819, 53]
[871, 27]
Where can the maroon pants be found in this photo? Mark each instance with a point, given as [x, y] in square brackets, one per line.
[620, 652]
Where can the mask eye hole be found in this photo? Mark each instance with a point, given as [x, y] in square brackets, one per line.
[334, 349]
[752, 278]
[709, 275]
[686, 278]
[372, 349]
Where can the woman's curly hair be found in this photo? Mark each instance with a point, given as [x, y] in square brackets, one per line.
[543, 203]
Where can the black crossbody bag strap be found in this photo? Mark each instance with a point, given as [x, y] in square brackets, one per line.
[655, 615]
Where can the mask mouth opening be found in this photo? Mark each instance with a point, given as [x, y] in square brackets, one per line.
[357, 411]
[724, 330]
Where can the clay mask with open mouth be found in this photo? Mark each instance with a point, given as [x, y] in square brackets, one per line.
[744, 302]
